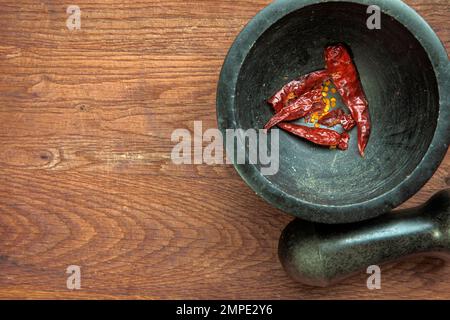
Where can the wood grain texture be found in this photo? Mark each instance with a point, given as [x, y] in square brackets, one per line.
[85, 170]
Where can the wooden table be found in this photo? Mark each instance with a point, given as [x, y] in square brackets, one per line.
[86, 176]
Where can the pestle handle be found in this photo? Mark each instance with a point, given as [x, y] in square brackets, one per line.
[320, 254]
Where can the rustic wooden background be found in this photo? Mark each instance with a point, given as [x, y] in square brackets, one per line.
[85, 171]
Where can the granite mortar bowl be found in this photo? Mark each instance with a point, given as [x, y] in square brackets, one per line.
[405, 72]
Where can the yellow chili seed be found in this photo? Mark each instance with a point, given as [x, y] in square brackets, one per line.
[333, 104]
[317, 125]
[291, 96]
[324, 94]
[333, 90]
[326, 89]
[327, 82]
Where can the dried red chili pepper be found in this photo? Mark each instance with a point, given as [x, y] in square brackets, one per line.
[297, 109]
[338, 116]
[345, 77]
[296, 88]
[347, 122]
[320, 136]
[332, 118]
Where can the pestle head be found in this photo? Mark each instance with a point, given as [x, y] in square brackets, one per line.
[320, 255]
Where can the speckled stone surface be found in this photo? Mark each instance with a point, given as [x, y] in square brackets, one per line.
[405, 73]
[322, 254]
